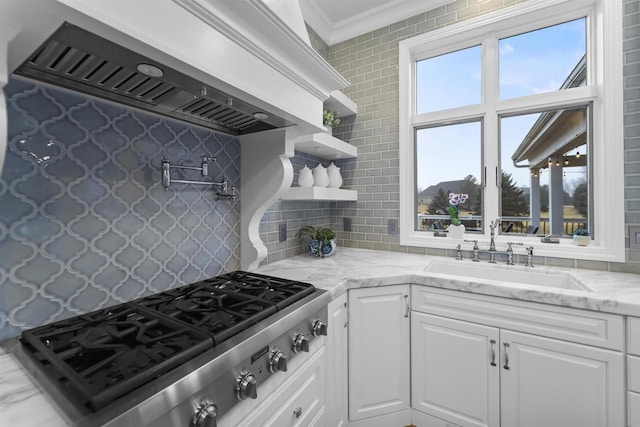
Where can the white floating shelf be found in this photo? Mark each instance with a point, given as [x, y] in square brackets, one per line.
[319, 193]
[325, 146]
[341, 103]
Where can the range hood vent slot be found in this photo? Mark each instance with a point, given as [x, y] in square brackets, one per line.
[79, 60]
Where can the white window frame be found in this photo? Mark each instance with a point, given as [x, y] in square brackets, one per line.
[604, 62]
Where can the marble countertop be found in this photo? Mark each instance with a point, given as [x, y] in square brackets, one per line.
[352, 268]
[348, 268]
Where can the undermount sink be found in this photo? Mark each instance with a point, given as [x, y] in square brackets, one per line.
[489, 272]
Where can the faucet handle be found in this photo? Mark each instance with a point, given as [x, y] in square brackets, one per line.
[529, 257]
[476, 250]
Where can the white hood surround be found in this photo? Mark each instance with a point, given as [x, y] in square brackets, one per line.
[242, 47]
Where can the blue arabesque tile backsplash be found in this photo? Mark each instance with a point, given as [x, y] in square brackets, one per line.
[84, 220]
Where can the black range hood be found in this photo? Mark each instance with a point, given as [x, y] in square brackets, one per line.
[79, 60]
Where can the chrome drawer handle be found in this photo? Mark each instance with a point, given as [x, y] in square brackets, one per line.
[506, 356]
[493, 352]
[407, 307]
[297, 412]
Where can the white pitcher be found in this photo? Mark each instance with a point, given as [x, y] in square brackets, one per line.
[305, 177]
[320, 176]
[335, 179]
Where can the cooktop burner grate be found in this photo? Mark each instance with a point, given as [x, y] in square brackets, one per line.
[219, 313]
[103, 355]
[107, 353]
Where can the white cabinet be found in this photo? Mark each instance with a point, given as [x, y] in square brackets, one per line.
[455, 370]
[555, 383]
[336, 348]
[378, 356]
[476, 371]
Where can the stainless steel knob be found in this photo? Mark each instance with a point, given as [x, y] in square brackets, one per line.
[319, 328]
[205, 415]
[277, 361]
[300, 343]
[246, 386]
[297, 412]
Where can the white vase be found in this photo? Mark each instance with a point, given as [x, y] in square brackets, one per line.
[335, 179]
[456, 232]
[320, 176]
[305, 177]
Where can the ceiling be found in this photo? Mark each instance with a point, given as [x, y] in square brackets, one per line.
[339, 20]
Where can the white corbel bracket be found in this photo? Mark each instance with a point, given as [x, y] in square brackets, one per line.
[265, 174]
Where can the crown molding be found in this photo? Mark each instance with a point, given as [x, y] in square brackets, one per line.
[366, 21]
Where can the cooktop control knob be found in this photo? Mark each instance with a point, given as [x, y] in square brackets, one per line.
[277, 361]
[205, 415]
[300, 343]
[319, 328]
[246, 386]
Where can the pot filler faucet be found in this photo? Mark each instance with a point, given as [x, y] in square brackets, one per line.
[226, 191]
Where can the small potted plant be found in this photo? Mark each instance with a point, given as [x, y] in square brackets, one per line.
[456, 229]
[322, 240]
[582, 237]
[330, 119]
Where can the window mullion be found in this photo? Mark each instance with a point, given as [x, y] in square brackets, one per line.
[490, 94]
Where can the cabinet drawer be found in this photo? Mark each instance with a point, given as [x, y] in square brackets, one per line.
[298, 402]
[633, 409]
[569, 324]
[634, 335]
[633, 365]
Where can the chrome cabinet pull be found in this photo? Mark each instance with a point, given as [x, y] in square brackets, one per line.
[406, 303]
[506, 356]
[347, 315]
[493, 352]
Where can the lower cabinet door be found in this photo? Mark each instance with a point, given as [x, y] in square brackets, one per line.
[336, 344]
[455, 370]
[546, 382]
[378, 352]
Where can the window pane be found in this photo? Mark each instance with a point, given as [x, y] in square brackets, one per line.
[448, 81]
[547, 192]
[545, 60]
[449, 160]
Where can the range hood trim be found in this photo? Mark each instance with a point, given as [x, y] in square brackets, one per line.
[225, 19]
